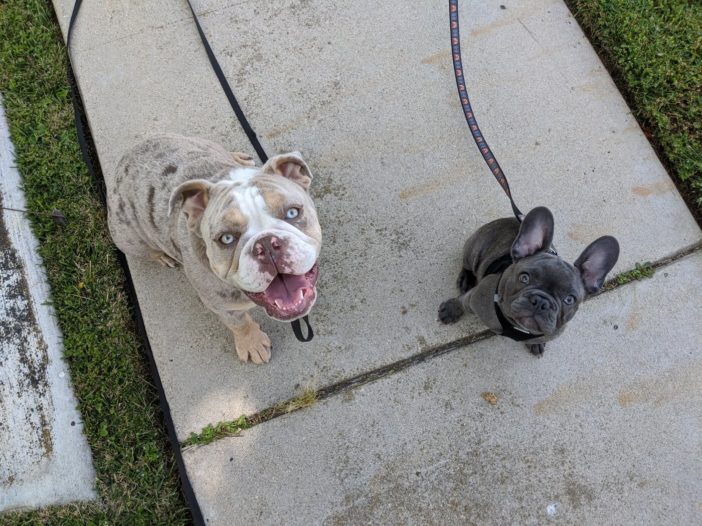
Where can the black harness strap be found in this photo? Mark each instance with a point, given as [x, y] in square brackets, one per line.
[480, 141]
[508, 329]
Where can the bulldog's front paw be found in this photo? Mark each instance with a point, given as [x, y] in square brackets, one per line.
[243, 159]
[252, 344]
[537, 349]
[450, 311]
[164, 259]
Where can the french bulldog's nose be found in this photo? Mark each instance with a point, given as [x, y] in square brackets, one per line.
[541, 303]
[267, 247]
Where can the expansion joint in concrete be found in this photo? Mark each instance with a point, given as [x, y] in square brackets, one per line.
[292, 405]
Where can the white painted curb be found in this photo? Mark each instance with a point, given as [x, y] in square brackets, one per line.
[62, 471]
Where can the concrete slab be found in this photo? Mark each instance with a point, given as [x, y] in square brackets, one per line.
[607, 429]
[365, 90]
[44, 457]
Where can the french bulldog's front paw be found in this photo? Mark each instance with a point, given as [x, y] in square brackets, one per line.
[537, 349]
[450, 311]
[253, 344]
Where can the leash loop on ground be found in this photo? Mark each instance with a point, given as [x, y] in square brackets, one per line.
[297, 329]
[480, 141]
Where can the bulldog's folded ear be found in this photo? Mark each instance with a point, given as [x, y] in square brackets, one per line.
[194, 195]
[596, 261]
[292, 166]
[535, 233]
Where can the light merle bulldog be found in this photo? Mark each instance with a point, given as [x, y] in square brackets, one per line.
[244, 235]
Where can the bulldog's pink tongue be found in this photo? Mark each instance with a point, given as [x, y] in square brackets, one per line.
[286, 290]
[288, 296]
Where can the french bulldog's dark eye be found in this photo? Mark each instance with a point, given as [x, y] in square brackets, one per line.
[292, 212]
[227, 239]
[569, 300]
[524, 278]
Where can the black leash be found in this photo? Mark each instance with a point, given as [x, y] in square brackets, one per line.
[253, 139]
[85, 140]
[480, 141]
[250, 133]
[81, 125]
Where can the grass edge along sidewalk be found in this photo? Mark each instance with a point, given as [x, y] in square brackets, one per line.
[653, 51]
[137, 480]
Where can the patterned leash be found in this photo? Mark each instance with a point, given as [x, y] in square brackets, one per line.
[480, 141]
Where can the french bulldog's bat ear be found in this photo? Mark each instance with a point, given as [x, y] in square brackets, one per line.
[535, 233]
[292, 166]
[194, 195]
[596, 261]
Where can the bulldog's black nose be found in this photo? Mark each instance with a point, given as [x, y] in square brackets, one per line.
[267, 248]
[540, 302]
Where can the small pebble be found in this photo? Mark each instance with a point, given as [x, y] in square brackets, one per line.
[551, 509]
[490, 398]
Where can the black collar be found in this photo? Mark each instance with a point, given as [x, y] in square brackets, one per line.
[509, 330]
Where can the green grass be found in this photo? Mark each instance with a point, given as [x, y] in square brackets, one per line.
[639, 272]
[305, 398]
[136, 474]
[654, 51]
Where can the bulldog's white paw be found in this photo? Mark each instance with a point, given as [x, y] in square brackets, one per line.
[253, 344]
[243, 159]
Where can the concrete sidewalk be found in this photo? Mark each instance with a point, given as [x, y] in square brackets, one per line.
[366, 91]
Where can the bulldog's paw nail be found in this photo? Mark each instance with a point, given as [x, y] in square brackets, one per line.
[254, 346]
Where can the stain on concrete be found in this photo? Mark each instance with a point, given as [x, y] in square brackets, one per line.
[440, 58]
[565, 397]
[657, 188]
[428, 187]
[678, 384]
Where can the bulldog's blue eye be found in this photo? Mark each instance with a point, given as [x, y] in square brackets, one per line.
[227, 239]
[524, 277]
[292, 213]
[569, 300]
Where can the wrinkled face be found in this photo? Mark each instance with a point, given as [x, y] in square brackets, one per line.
[261, 234]
[541, 293]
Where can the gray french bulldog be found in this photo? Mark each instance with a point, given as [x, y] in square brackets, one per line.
[518, 286]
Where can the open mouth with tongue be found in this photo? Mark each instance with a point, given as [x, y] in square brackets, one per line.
[289, 296]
